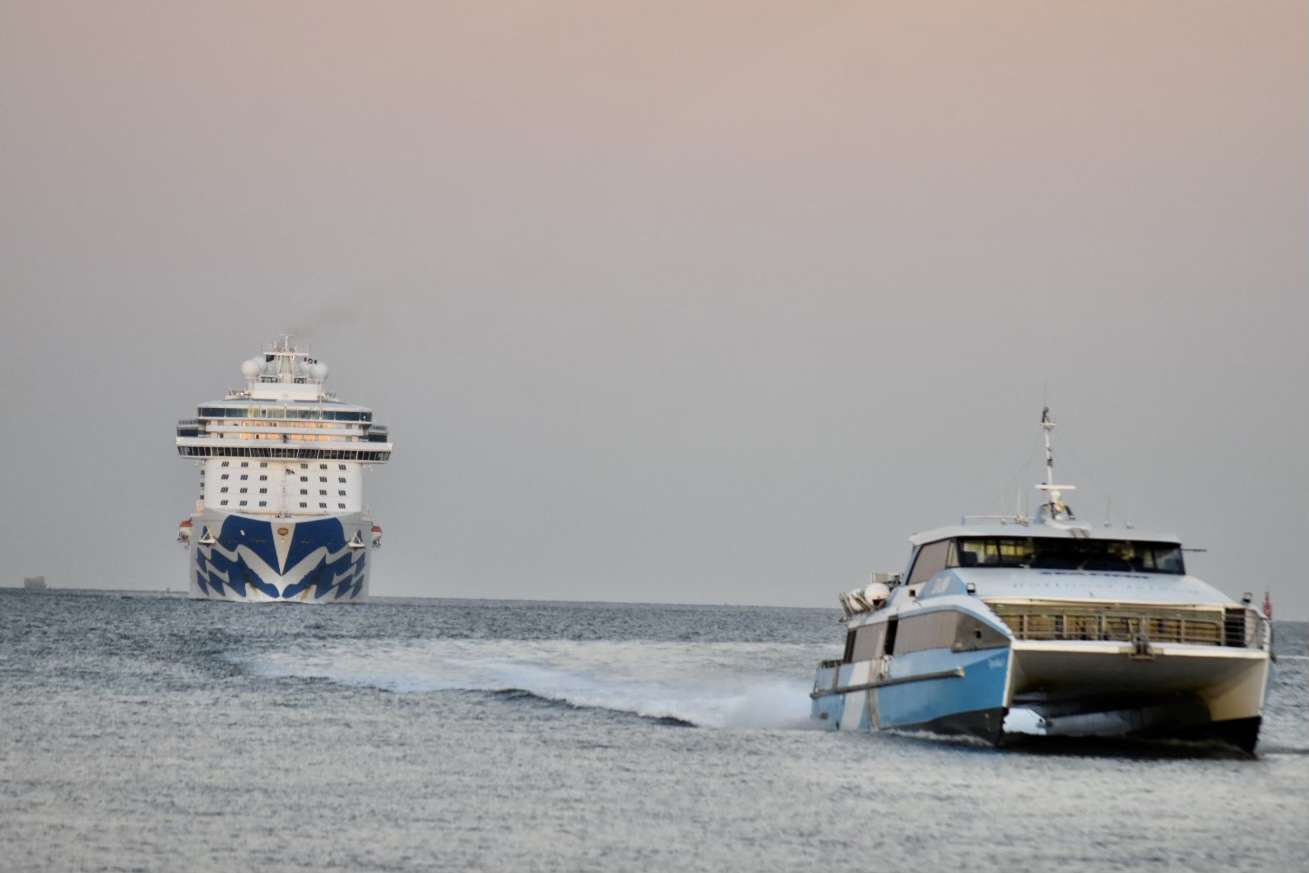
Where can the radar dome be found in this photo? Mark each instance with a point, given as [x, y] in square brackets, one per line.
[250, 369]
[319, 370]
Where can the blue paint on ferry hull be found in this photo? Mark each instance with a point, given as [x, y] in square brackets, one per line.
[959, 692]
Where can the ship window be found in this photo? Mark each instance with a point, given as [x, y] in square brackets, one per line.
[1050, 553]
[222, 503]
[304, 466]
[224, 476]
[322, 466]
[243, 503]
[263, 477]
[341, 505]
[263, 503]
[322, 506]
[303, 505]
[340, 493]
[932, 559]
[322, 492]
[245, 463]
[304, 478]
[340, 466]
[245, 476]
[868, 642]
[341, 479]
[322, 478]
[945, 629]
[263, 463]
[224, 463]
[243, 490]
[263, 490]
[222, 490]
[304, 490]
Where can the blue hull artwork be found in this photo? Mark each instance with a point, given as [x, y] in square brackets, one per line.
[937, 690]
[253, 560]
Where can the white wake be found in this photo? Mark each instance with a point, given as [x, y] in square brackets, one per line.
[718, 685]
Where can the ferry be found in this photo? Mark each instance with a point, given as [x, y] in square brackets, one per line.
[1003, 627]
[281, 516]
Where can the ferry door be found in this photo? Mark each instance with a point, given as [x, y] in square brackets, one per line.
[888, 645]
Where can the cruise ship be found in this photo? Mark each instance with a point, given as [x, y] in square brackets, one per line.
[1007, 626]
[281, 516]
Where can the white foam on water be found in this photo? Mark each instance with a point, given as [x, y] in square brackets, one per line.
[719, 685]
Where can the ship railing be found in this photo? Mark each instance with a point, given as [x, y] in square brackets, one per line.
[1047, 622]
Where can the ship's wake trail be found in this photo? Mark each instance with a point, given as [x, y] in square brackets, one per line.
[718, 685]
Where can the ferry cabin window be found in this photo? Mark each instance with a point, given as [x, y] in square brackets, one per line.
[945, 629]
[932, 559]
[1049, 553]
[868, 642]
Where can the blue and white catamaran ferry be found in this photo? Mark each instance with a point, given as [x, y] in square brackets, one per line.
[281, 514]
[1048, 626]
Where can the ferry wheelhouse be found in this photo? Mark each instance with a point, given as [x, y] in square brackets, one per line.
[1002, 626]
[281, 513]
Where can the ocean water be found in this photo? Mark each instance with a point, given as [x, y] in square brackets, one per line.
[153, 733]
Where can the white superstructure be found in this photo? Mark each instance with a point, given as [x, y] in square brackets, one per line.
[281, 512]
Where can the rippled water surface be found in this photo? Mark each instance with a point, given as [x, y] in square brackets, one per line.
[153, 733]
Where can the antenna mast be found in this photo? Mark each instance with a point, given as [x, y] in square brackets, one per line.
[1055, 507]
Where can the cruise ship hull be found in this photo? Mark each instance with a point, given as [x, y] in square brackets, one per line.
[1055, 688]
[244, 559]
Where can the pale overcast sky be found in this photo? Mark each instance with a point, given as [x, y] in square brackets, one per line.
[688, 301]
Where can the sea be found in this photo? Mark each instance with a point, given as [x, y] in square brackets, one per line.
[142, 732]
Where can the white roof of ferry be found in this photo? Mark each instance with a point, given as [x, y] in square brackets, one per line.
[1034, 528]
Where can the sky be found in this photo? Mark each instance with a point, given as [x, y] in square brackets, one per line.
[697, 302]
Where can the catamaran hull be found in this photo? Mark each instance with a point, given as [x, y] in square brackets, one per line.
[1090, 689]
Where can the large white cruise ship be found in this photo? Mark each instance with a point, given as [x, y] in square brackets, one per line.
[281, 514]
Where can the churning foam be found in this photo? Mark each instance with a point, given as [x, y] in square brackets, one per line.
[720, 685]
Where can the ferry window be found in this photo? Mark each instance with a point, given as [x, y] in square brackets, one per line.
[222, 503]
[304, 466]
[224, 463]
[263, 478]
[263, 490]
[263, 463]
[340, 466]
[245, 463]
[243, 503]
[243, 490]
[322, 466]
[868, 642]
[222, 490]
[322, 506]
[322, 492]
[245, 476]
[340, 494]
[322, 478]
[341, 505]
[263, 503]
[224, 476]
[304, 490]
[932, 559]
[934, 630]
[1057, 553]
[303, 505]
[340, 479]
[304, 478]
